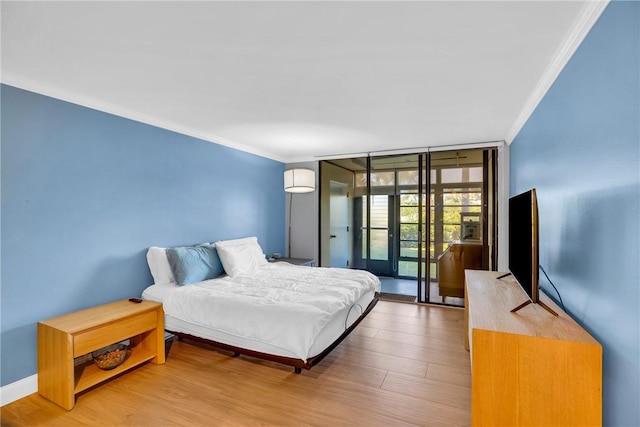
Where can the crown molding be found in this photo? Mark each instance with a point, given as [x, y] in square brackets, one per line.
[587, 19]
[117, 110]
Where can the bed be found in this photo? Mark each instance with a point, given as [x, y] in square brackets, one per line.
[227, 295]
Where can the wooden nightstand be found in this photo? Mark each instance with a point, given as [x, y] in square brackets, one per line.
[296, 261]
[64, 338]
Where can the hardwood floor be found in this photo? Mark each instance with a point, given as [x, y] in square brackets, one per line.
[404, 365]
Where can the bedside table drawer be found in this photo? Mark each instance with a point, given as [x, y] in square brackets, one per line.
[116, 331]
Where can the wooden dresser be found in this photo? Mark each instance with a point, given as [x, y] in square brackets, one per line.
[530, 367]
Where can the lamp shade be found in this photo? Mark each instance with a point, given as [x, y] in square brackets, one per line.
[299, 181]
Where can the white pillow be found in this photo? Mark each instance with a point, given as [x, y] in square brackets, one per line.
[240, 255]
[159, 265]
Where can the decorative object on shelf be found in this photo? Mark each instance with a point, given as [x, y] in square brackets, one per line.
[297, 181]
[110, 357]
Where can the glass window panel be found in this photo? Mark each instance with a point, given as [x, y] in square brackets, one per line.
[379, 211]
[451, 232]
[410, 269]
[409, 200]
[453, 175]
[475, 174]
[451, 198]
[408, 177]
[382, 178]
[455, 197]
[409, 214]
[472, 195]
[475, 200]
[460, 175]
[409, 232]
[451, 214]
[405, 177]
[409, 249]
[379, 245]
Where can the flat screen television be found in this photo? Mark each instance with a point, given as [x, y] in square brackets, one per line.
[523, 245]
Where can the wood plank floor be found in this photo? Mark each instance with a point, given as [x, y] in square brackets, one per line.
[404, 365]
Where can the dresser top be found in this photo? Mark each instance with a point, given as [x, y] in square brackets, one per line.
[490, 301]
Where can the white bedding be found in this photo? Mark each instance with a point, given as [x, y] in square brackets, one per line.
[278, 306]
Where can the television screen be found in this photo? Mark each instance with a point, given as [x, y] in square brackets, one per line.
[523, 241]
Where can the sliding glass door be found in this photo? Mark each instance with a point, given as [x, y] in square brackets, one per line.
[415, 215]
[457, 220]
[378, 211]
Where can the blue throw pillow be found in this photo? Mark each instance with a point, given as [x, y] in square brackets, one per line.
[192, 264]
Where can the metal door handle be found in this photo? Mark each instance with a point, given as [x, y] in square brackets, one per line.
[332, 236]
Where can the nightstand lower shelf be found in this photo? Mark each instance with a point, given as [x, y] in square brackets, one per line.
[88, 374]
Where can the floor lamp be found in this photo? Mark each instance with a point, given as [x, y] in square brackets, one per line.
[297, 181]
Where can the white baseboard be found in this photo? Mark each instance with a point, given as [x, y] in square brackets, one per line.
[19, 389]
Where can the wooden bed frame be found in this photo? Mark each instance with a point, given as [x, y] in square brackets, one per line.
[297, 364]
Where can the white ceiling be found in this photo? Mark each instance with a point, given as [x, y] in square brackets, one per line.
[295, 80]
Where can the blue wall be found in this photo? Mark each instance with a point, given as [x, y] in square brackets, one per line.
[580, 150]
[85, 193]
